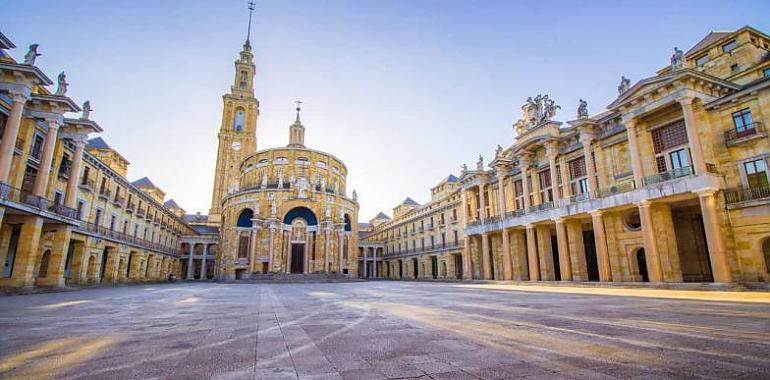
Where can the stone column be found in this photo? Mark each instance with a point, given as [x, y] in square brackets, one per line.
[651, 254]
[565, 266]
[482, 203]
[43, 173]
[326, 250]
[467, 260]
[287, 249]
[340, 248]
[519, 248]
[305, 252]
[565, 178]
[524, 166]
[602, 254]
[366, 254]
[587, 138]
[271, 253]
[203, 261]
[10, 134]
[72, 183]
[534, 265]
[487, 267]
[720, 265]
[552, 151]
[506, 246]
[190, 274]
[696, 149]
[375, 264]
[26, 252]
[545, 252]
[252, 247]
[633, 149]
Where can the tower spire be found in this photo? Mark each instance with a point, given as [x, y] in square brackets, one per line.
[248, 31]
[297, 131]
[299, 108]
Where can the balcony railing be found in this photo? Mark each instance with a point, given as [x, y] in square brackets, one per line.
[744, 194]
[733, 135]
[616, 189]
[139, 212]
[107, 233]
[87, 184]
[10, 193]
[105, 194]
[130, 207]
[541, 207]
[668, 175]
[118, 201]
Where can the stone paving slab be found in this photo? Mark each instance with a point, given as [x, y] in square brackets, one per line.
[383, 330]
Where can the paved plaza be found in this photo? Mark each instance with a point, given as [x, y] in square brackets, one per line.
[379, 330]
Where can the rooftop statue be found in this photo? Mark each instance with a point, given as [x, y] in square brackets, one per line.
[61, 89]
[32, 54]
[464, 167]
[536, 111]
[582, 110]
[625, 84]
[498, 151]
[677, 59]
[480, 164]
[86, 110]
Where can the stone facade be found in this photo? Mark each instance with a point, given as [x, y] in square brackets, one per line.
[68, 213]
[279, 210]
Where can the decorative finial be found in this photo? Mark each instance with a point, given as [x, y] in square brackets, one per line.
[248, 32]
[299, 108]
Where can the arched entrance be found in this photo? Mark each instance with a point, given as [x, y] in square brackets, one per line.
[641, 262]
[766, 253]
[301, 219]
[43, 272]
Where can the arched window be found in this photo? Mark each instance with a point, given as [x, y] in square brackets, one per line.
[348, 226]
[244, 78]
[238, 121]
[244, 219]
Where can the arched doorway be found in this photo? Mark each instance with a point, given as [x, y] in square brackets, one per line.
[641, 262]
[301, 219]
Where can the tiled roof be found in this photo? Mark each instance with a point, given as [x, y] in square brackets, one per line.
[409, 201]
[205, 230]
[195, 218]
[143, 182]
[381, 215]
[98, 143]
[452, 178]
[171, 204]
[708, 40]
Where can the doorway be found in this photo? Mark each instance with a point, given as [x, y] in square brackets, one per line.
[592, 264]
[458, 266]
[555, 254]
[415, 270]
[434, 266]
[641, 262]
[297, 258]
[13, 244]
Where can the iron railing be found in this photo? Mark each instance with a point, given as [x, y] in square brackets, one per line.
[749, 130]
[10, 193]
[668, 175]
[111, 234]
[743, 194]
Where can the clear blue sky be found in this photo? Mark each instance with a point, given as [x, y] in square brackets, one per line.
[403, 91]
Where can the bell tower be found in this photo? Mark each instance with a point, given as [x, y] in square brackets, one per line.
[238, 132]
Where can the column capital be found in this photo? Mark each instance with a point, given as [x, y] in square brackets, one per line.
[597, 213]
[53, 123]
[552, 149]
[529, 226]
[705, 193]
[686, 100]
[646, 203]
[558, 220]
[19, 96]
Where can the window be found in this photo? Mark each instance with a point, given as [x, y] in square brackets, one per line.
[238, 121]
[3, 120]
[669, 136]
[57, 198]
[680, 160]
[730, 46]
[37, 147]
[766, 72]
[80, 210]
[112, 223]
[244, 78]
[756, 174]
[700, 61]
[98, 219]
[734, 67]
[743, 123]
[85, 175]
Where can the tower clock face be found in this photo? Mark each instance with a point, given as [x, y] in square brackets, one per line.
[236, 146]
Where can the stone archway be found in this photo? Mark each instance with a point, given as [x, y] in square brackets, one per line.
[44, 260]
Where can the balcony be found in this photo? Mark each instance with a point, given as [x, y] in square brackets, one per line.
[106, 233]
[118, 201]
[749, 132]
[12, 194]
[105, 194]
[130, 207]
[747, 194]
[541, 207]
[139, 212]
[616, 189]
[87, 185]
[65, 169]
[668, 175]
